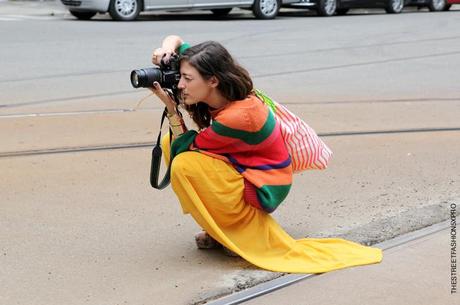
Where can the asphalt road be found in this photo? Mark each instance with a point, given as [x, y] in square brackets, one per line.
[85, 227]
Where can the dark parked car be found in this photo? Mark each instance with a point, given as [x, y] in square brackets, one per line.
[433, 5]
[449, 4]
[341, 7]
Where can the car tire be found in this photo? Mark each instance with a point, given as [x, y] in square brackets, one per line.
[125, 10]
[342, 11]
[83, 15]
[220, 12]
[266, 9]
[447, 7]
[326, 8]
[394, 6]
[436, 5]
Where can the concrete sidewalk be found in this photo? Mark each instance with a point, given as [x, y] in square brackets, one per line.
[85, 228]
[417, 272]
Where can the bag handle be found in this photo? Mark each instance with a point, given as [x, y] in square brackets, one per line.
[157, 153]
[266, 100]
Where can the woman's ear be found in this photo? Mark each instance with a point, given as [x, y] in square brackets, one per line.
[213, 82]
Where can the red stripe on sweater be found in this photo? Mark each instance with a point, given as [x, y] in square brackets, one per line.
[272, 150]
[250, 194]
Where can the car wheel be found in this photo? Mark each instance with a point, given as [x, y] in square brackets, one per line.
[447, 7]
[125, 10]
[221, 11]
[436, 5]
[342, 11]
[83, 15]
[394, 6]
[326, 8]
[266, 9]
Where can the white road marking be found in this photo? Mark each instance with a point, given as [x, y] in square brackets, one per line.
[49, 114]
[26, 17]
[7, 19]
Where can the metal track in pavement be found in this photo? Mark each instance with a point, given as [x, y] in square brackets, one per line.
[24, 153]
[284, 281]
[120, 110]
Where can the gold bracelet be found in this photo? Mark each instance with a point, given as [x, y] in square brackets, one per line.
[177, 124]
[178, 130]
[175, 119]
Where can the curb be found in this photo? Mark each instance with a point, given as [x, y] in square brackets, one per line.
[379, 233]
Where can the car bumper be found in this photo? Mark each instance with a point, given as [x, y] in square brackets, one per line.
[87, 5]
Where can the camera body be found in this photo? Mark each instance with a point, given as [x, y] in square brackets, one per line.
[167, 75]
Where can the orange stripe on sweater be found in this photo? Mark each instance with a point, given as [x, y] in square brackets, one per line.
[279, 176]
[216, 156]
[249, 115]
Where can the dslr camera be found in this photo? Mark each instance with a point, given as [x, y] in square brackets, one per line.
[167, 75]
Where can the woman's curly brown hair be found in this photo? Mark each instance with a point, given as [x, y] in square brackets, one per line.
[210, 58]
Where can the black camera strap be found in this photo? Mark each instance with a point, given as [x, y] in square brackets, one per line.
[156, 160]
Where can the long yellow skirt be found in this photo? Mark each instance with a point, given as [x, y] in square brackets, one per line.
[211, 190]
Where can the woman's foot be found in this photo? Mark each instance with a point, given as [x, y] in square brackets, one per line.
[205, 241]
[229, 252]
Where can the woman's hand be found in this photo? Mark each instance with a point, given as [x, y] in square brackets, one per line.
[162, 53]
[164, 97]
[169, 47]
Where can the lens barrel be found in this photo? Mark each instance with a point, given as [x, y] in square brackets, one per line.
[144, 78]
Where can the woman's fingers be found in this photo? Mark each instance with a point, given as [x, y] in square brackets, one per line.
[167, 57]
[157, 55]
[162, 94]
[161, 54]
[156, 88]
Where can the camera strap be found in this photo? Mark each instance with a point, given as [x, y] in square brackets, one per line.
[156, 160]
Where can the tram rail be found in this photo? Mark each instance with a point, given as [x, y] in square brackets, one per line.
[90, 148]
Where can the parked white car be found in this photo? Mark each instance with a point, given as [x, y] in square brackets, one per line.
[130, 9]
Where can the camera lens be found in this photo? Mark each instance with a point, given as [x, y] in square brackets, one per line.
[134, 79]
[145, 77]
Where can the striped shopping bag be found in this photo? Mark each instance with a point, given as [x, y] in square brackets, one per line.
[307, 150]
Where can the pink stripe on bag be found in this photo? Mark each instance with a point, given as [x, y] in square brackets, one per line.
[291, 143]
[296, 142]
[307, 150]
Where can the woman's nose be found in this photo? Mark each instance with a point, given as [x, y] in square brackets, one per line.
[181, 84]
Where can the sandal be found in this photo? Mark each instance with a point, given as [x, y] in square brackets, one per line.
[205, 241]
[229, 252]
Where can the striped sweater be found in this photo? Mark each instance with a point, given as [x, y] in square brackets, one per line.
[246, 134]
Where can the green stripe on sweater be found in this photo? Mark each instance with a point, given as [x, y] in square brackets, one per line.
[271, 196]
[182, 143]
[251, 138]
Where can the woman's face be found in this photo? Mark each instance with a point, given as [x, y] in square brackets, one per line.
[194, 88]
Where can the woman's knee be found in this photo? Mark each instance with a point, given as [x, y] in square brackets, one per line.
[165, 143]
[183, 163]
[166, 147]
